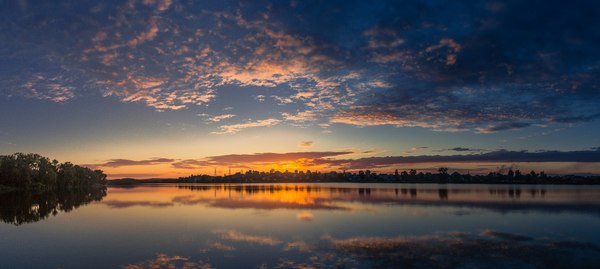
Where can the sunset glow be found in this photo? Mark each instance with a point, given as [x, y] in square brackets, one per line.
[204, 134]
[170, 88]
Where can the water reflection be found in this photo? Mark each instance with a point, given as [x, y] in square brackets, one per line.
[20, 207]
[498, 198]
[169, 262]
[486, 249]
[311, 226]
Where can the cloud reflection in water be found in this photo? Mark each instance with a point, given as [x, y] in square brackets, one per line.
[163, 261]
[486, 249]
[502, 199]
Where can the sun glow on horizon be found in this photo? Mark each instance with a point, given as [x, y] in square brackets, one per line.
[171, 88]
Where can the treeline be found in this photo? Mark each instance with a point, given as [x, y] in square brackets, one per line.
[33, 171]
[411, 176]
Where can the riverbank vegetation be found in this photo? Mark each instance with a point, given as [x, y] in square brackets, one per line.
[36, 172]
[411, 176]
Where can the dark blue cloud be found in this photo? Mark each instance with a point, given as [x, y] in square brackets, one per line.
[504, 127]
[499, 156]
[463, 149]
[503, 63]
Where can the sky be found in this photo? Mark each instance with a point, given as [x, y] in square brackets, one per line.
[169, 88]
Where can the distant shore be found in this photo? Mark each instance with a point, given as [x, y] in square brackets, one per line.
[334, 177]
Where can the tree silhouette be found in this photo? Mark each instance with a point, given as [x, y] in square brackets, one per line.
[33, 171]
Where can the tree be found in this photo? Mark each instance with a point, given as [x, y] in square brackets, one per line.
[443, 170]
[443, 173]
[33, 171]
[533, 174]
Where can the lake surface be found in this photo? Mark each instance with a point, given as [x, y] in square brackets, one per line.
[305, 226]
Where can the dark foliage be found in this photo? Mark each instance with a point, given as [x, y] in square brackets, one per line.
[513, 177]
[35, 172]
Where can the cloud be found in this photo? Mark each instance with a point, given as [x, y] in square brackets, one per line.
[273, 157]
[453, 49]
[234, 128]
[370, 119]
[306, 144]
[132, 175]
[163, 5]
[114, 163]
[191, 164]
[492, 156]
[300, 246]
[245, 160]
[461, 149]
[331, 159]
[264, 72]
[231, 160]
[218, 118]
[43, 88]
[304, 116]
[507, 236]
[233, 235]
[159, 93]
[260, 98]
[441, 66]
[383, 38]
[576, 119]
[415, 149]
[503, 127]
[147, 35]
[220, 246]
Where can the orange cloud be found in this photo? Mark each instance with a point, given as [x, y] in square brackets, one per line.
[148, 35]
[164, 5]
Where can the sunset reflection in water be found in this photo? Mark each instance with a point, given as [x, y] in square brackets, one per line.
[319, 226]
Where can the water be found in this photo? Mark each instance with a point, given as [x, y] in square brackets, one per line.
[305, 226]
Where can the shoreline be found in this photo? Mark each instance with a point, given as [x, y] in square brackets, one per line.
[135, 182]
